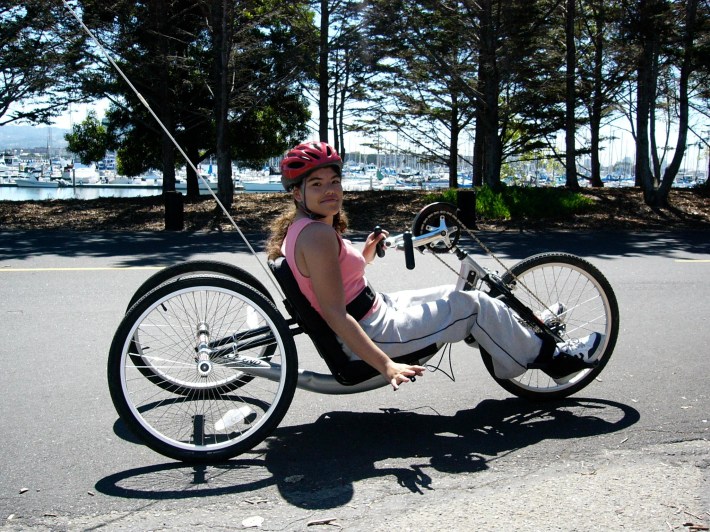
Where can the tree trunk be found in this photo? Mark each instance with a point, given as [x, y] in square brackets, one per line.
[454, 146]
[168, 156]
[163, 106]
[570, 99]
[595, 170]
[595, 114]
[478, 146]
[340, 131]
[193, 190]
[323, 72]
[490, 92]
[653, 89]
[222, 21]
[644, 98]
[336, 94]
[172, 216]
[477, 164]
[683, 105]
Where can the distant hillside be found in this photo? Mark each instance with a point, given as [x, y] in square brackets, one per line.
[29, 138]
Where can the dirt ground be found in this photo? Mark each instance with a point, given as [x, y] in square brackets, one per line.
[615, 208]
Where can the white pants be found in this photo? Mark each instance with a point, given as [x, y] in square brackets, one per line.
[413, 319]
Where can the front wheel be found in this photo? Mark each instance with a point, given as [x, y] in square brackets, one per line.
[202, 369]
[540, 282]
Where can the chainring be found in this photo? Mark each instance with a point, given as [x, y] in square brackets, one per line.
[429, 218]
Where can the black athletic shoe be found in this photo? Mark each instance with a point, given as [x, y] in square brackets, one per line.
[573, 356]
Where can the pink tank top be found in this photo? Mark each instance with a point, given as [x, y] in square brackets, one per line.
[352, 266]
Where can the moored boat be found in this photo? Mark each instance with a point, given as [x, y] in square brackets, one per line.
[181, 184]
[270, 185]
[35, 182]
[80, 174]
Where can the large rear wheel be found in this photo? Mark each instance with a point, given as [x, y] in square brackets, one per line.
[202, 368]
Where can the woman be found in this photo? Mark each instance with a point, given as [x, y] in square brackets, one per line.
[331, 273]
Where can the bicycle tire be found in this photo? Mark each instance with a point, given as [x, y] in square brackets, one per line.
[591, 306]
[192, 268]
[182, 419]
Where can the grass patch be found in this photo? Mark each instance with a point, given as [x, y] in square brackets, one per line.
[517, 203]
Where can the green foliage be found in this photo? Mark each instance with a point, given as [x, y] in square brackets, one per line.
[447, 195]
[169, 52]
[270, 129]
[527, 202]
[516, 203]
[89, 140]
[491, 204]
[41, 61]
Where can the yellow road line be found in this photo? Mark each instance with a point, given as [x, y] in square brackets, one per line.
[692, 260]
[107, 268]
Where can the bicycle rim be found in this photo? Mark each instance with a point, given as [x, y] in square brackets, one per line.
[590, 306]
[178, 369]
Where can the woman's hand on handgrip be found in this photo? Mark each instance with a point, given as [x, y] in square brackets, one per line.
[397, 373]
[374, 245]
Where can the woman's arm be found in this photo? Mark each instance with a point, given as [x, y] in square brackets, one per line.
[317, 250]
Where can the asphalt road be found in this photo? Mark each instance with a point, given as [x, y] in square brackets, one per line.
[630, 451]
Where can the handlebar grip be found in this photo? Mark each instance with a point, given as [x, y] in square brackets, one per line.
[408, 250]
[380, 248]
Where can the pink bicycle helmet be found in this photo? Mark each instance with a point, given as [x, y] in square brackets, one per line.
[304, 158]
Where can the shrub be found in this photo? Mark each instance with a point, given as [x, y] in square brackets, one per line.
[513, 203]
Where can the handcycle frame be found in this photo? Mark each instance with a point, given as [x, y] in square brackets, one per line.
[471, 274]
[202, 370]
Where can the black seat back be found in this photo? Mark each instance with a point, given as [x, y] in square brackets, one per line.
[345, 370]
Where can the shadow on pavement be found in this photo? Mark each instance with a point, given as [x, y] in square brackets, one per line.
[150, 248]
[598, 244]
[315, 466]
[130, 249]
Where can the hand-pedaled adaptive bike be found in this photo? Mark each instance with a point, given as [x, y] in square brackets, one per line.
[204, 366]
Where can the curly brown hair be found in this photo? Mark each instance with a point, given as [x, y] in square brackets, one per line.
[280, 226]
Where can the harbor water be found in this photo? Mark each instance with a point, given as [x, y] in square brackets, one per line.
[14, 193]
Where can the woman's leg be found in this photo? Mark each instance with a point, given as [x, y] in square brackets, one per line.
[408, 298]
[414, 319]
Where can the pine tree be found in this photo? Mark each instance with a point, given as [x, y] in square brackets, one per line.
[40, 59]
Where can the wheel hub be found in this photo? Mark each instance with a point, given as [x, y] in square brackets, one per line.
[204, 365]
[204, 368]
